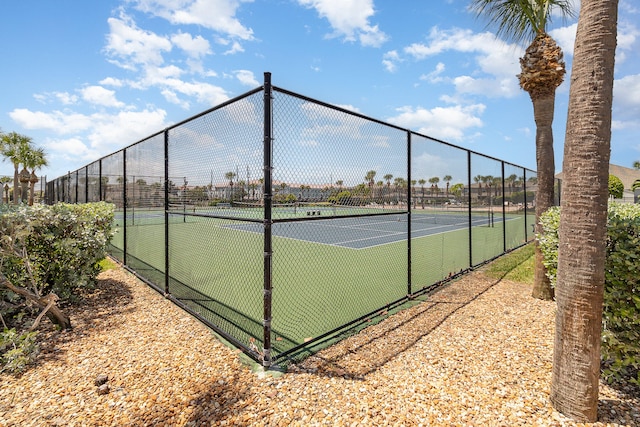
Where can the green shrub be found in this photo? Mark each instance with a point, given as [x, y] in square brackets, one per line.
[616, 187]
[62, 243]
[621, 311]
[17, 350]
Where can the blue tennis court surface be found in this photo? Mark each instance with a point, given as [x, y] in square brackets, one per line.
[369, 231]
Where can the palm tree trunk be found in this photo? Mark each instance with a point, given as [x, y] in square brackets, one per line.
[16, 183]
[583, 218]
[543, 109]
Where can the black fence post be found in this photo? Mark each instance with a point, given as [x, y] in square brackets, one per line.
[409, 200]
[166, 212]
[124, 206]
[469, 209]
[504, 214]
[76, 185]
[268, 221]
[86, 184]
[524, 188]
[100, 195]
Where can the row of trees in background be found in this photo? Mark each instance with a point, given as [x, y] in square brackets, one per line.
[389, 190]
[20, 151]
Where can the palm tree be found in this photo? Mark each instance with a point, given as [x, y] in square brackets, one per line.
[388, 178]
[434, 185]
[422, 182]
[230, 176]
[413, 191]
[583, 218]
[636, 164]
[369, 179]
[4, 181]
[511, 180]
[34, 160]
[15, 148]
[447, 179]
[478, 180]
[542, 71]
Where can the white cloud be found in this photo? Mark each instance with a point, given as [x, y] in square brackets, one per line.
[88, 137]
[506, 87]
[100, 96]
[349, 107]
[59, 122]
[246, 77]
[195, 47]
[235, 48]
[448, 123]
[349, 19]
[390, 60]
[626, 102]
[218, 15]
[565, 37]
[66, 98]
[132, 46]
[498, 62]
[112, 131]
[435, 75]
[111, 81]
[71, 150]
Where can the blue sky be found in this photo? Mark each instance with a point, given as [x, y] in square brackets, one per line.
[86, 78]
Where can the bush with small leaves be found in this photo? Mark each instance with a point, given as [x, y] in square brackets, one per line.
[17, 350]
[621, 311]
[63, 243]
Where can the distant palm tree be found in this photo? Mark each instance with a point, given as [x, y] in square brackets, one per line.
[230, 176]
[447, 179]
[380, 186]
[388, 178]
[34, 160]
[5, 180]
[434, 184]
[15, 148]
[252, 188]
[636, 164]
[370, 182]
[511, 179]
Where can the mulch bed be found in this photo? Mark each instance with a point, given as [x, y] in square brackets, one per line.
[478, 352]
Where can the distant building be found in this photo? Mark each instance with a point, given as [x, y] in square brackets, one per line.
[627, 176]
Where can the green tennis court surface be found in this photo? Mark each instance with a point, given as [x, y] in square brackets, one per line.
[326, 271]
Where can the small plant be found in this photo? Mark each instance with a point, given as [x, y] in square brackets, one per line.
[106, 264]
[17, 350]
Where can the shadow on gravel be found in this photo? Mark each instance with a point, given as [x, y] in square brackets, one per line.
[370, 349]
[214, 403]
[111, 296]
[626, 413]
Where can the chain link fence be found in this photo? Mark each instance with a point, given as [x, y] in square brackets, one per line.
[281, 221]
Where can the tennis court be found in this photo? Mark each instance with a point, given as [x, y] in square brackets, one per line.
[334, 244]
[369, 231]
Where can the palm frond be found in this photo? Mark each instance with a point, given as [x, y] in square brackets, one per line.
[520, 20]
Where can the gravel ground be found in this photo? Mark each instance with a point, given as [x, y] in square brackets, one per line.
[476, 353]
